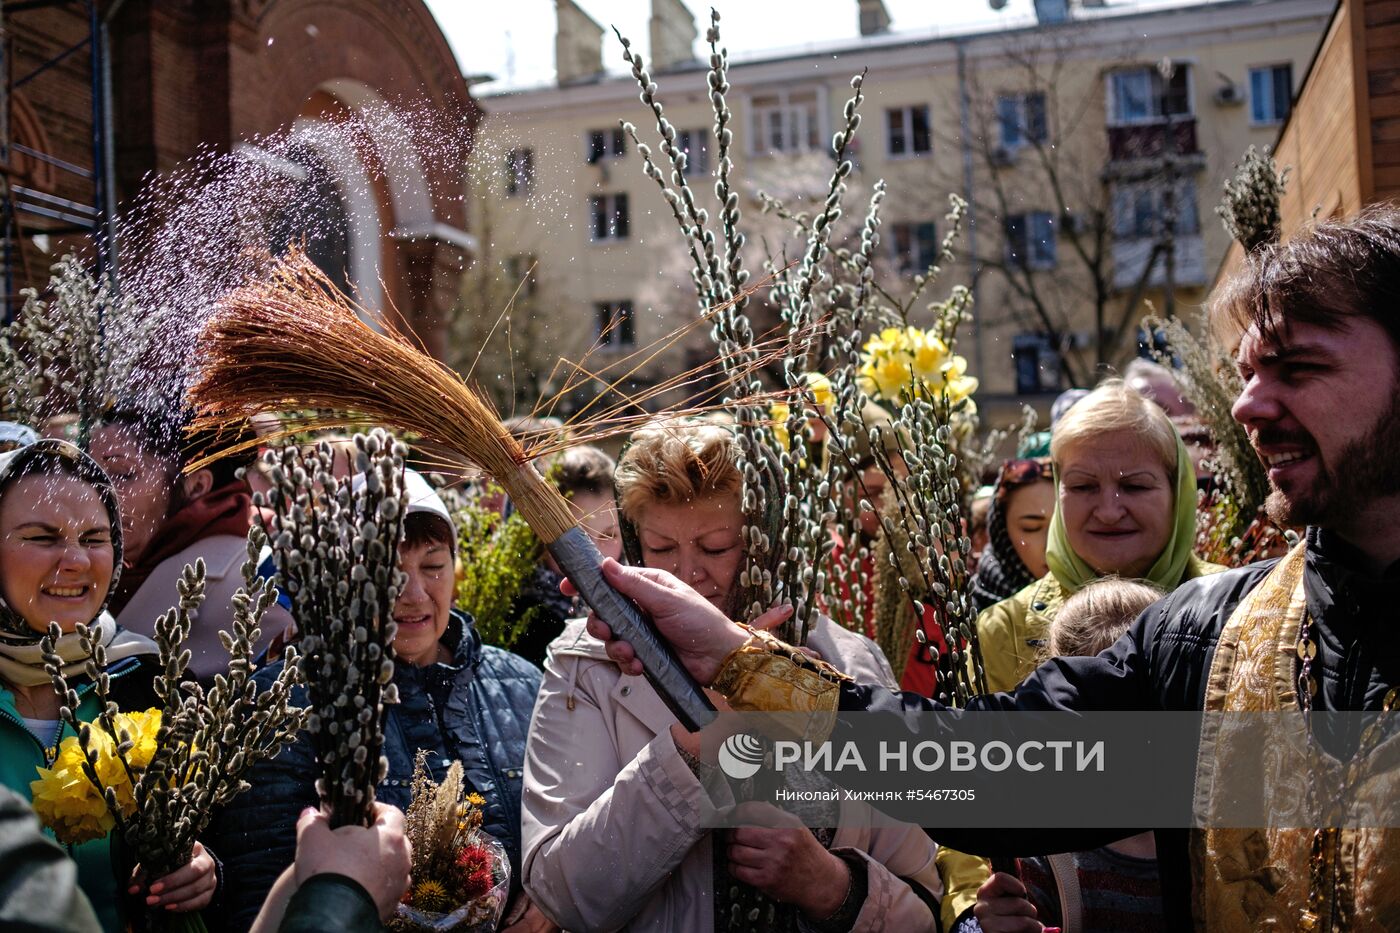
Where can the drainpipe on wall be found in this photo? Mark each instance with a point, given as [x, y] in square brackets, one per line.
[974, 262]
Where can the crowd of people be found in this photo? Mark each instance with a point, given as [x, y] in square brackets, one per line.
[1089, 593]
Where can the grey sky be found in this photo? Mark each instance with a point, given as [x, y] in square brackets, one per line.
[514, 41]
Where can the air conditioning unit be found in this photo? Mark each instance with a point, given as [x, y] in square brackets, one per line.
[1229, 95]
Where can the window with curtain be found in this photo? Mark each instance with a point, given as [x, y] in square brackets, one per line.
[1142, 95]
[609, 218]
[1022, 119]
[1270, 93]
[908, 131]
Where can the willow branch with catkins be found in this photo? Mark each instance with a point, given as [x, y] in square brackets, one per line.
[207, 739]
[1211, 384]
[337, 549]
[849, 599]
[1250, 206]
[721, 294]
[921, 556]
[1232, 528]
[74, 349]
[770, 466]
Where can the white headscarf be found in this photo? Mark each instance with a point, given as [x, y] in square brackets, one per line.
[21, 660]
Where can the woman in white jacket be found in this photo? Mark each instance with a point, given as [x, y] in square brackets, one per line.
[615, 796]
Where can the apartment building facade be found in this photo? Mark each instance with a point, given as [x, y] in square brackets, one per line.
[1092, 144]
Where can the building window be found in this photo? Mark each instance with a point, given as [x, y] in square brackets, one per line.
[1142, 95]
[1030, 240]
[907, 130]
[617, 325]
[787, 122]
[1022, 119]
[520, 172]
[696, 146]
[1037, 363]
[520, 273]
[1139, 209]
[1270, 93]
[606, 144]
[915, 247]
[1049, 12]
[609, 217]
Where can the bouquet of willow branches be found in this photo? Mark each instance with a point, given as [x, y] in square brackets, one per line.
[337, 549]
[82, 345]
[1250, 206]
[158, 775]
[779, 479]
[923, 552]
[828, 298]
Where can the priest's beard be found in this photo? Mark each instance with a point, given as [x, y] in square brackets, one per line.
[1365, 469]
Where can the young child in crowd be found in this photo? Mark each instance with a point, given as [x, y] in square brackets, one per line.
[1118, 886]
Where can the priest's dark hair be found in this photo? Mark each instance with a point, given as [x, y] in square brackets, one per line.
[1322, 275]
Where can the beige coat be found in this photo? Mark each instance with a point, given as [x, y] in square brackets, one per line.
[223, 575]
[612, 813]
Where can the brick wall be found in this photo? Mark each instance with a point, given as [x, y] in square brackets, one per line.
[193, 73]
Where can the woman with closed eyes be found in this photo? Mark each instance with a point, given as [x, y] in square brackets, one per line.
[615, 791]
[1124, 506]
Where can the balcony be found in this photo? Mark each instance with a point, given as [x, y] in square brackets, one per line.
[1136, 142]
[1131, 255]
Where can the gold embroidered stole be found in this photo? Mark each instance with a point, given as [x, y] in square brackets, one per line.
[1259, 879]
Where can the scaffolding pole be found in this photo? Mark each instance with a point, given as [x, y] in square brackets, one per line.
[55, 215]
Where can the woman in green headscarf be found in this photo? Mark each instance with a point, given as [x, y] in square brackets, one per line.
[1125, 506]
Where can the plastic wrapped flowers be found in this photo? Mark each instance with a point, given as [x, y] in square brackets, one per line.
[898, 362]
[67, 801]
[461, 876]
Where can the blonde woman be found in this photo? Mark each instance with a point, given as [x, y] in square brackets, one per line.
[1125, 505]
[614, 789]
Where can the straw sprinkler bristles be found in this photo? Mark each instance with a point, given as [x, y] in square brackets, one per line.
[292, 341]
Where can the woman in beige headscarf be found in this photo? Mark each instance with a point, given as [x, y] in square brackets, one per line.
[60, 547]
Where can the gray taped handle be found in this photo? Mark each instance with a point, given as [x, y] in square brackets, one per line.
[578, 557]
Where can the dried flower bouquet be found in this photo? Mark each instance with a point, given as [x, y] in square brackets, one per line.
[461, 875]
